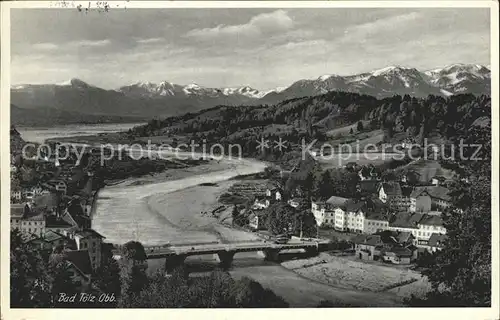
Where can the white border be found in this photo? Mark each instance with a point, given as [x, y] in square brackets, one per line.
[295, 313]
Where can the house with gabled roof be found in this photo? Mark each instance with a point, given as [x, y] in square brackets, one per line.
[406, 222]
[79, 267]
[429, 225]
[392, 194]
[424, 199]
[368, 247]
[91, 240]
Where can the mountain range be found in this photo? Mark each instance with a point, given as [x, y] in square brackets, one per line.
[145, 100]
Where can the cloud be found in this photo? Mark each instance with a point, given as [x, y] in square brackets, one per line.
[381, 25]
[90, 43]
[45, 46]
[150, 40]
[264, 23]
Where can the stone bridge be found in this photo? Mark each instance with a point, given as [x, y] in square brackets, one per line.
[175, 255]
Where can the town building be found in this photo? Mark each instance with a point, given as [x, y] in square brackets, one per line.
[33, 223]
[376, 222]
[398, 255]
[424, 199]
[273, 193]
[368, 247]
[325, 211]
[16, 195]
[90, 240]
[435, 243]
[429, 225]
[256, 220]
[406, 222]
[57, 224]
[17, 212]
[260, 204]
[392, 247]
[392, 194]
[79, 267]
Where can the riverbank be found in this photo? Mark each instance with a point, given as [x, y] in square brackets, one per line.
[159, 209]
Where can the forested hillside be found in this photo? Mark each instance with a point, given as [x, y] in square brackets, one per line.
[398, 118]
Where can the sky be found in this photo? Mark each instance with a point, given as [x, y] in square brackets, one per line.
[261, 48]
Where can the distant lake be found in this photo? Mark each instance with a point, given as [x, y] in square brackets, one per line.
[39, 134]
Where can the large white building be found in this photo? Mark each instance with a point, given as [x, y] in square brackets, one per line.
[372, 216]
[361, 216]
[325, 211]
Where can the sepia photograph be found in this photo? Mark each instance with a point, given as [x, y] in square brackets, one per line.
[249, 155]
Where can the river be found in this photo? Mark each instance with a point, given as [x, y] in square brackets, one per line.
[169, 211]
[40, 134]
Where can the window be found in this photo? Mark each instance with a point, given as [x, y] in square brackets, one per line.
[93, 258]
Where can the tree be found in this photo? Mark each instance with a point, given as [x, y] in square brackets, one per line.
[133, 265]
[29, 279]
[61, 279]
[108, 275]
[389, 175]
[360, 126]
[462, 273]
[163, 292]
[351, 131]
[324, 185]
[280, 217]
[248, 293]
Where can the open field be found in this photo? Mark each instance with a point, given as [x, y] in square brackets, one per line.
[428, 169]
[351, 274]
[345, 130]
[339, 160]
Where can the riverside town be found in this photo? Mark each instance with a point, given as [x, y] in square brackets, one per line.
[369, 186]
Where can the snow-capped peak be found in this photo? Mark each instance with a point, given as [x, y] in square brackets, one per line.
[191, 88]
[390, 69]
[325, 77]
[64, 83]
[244, 90]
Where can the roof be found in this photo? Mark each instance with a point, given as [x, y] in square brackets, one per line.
[436, 240]
[35, 216]
[49, 200]
[400, 252]
[403, 236]
[432, 220]
[80, 259]
[89, 233]
[406, 191]
[437, 192]
[354, 205]
[17, 210]
[54, 222]
[369, 186]
[391, 188]
[50, 236]
[371, 240]
[336, 201]
[406, 220]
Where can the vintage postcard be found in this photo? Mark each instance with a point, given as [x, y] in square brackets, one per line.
[332, 157]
